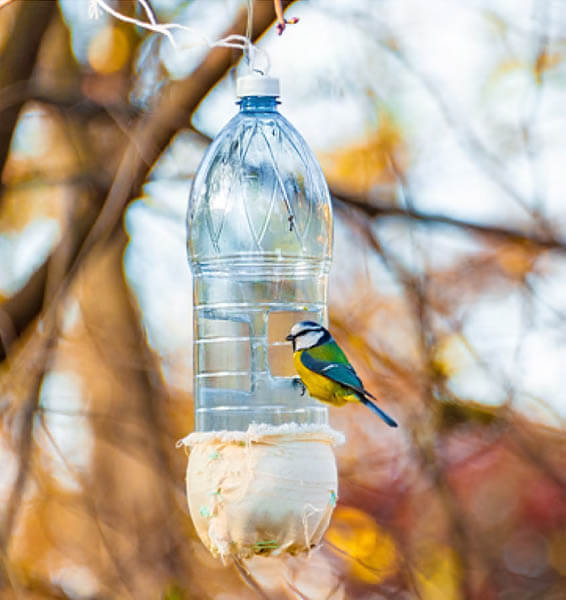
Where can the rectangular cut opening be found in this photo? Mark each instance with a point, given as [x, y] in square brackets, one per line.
[279, 351]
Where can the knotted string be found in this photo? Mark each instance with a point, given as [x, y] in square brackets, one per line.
[239, 42]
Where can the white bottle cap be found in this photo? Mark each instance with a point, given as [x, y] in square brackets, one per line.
[257, 85]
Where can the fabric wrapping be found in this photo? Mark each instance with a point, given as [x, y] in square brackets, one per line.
[265, 491]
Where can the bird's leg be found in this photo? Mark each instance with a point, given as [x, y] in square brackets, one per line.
[298, 383]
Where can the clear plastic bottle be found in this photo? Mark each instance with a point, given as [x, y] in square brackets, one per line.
[259, 241]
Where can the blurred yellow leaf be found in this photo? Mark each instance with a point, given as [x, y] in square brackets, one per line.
[557, 551]
[369, 550]
[363, 165]
[173, 592]
[453, 413]
[505, 67]
[438, 574]
[40, 148]
[109, 50]
[449, 356]
[546, 60]
[517, 260]
[32, 539]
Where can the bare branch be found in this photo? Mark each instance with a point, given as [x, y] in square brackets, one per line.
[374, 209]
[281, 20]
[248, 578]
[18, 59]
[152, 133]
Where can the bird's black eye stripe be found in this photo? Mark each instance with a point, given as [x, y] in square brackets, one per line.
[309, 330]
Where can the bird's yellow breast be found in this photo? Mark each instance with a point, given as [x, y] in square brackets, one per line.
[318, 386]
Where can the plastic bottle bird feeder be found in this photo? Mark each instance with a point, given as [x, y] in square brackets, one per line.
[261, 477]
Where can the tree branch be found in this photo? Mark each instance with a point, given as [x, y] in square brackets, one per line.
[343, 200]
[18, 60]
[150, 136]
[375, 210]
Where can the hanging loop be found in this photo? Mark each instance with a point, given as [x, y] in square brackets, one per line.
[238, 42]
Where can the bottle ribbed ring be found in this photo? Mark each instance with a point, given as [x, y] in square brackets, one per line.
[257, 85]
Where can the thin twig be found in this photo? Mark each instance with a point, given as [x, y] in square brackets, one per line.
[248, 578]
[374, 209]
[87, 496]
[281, 20]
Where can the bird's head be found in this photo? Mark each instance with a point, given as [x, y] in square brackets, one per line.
[307, 334]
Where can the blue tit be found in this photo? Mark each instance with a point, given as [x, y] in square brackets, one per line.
[325, 371]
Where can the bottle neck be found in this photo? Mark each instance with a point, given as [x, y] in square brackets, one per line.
[258, 104]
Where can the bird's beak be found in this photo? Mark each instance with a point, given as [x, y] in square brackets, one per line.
[289, 338]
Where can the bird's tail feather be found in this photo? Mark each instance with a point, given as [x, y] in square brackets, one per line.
[378, 411]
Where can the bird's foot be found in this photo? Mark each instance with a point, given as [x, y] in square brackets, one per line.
[298, 383]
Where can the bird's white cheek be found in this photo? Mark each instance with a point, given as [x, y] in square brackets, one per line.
[309, 339]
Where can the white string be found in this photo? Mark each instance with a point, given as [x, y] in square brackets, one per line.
[93, 10]
[249, 28]
[239, 42]
[148, 11]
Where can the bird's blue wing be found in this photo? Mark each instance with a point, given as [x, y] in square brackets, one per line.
[345, 375]
[338, 372]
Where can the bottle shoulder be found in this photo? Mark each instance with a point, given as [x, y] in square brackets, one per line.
[259, 189]
[251, 138]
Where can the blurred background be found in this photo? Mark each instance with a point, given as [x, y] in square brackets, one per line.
[441, 129]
